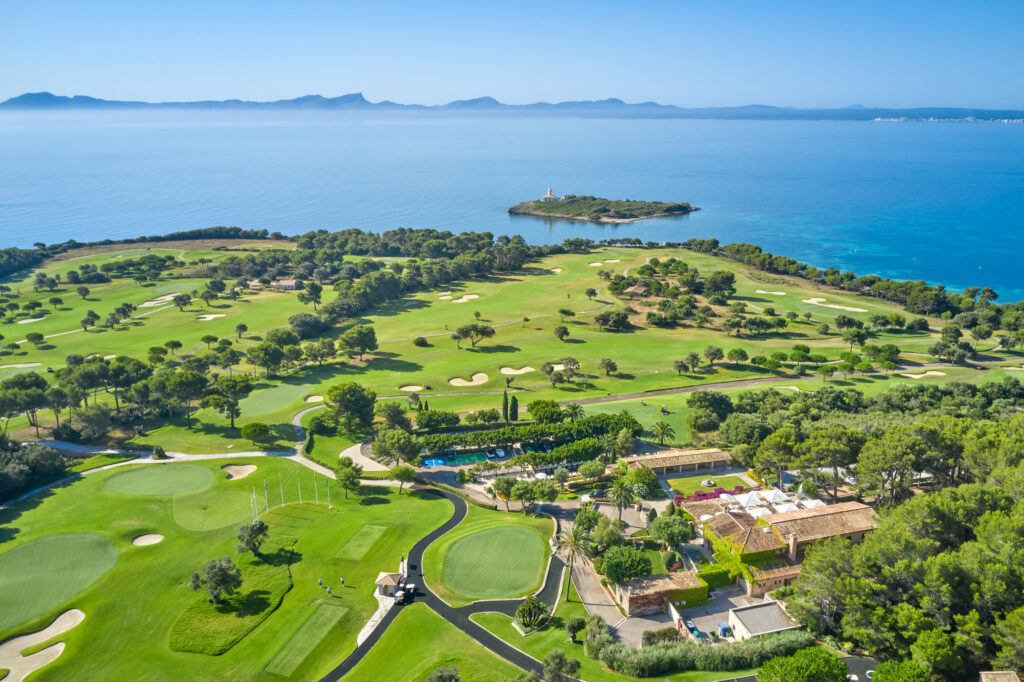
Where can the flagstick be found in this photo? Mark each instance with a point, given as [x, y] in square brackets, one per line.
[329, 494]
[316, 489]
[299, 484]
[281, 481]
[266, 495]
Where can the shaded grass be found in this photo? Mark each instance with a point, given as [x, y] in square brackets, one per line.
[206, 628]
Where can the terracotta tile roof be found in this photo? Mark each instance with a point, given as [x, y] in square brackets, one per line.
[664, 582]
[677, 457]
[702, 507]
[999, 676]
[823, 522]
[728, 524]
[758, 539]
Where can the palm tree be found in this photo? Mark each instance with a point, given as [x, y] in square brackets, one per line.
[577, 545]
[621, 495]
[573, 411]
[608, 443]
[663, 430]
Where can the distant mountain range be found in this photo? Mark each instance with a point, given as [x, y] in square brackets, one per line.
[605, 108]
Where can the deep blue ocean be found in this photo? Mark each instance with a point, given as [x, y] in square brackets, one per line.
[941, 202]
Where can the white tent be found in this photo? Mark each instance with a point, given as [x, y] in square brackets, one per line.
[759, 511]
[774, 495]
[726, 497]
[706, 517]
[811, 503]
[751, 499]
[785, 507]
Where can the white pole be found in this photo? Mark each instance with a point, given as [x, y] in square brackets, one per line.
[299, 483]
[329, 494]
[316, 489]
[266, 495]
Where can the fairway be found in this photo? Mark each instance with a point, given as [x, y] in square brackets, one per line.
[361, 542]
[171, 479]
[500, 562]
[305, 639]
[419, 642]
[44, 573]
[212, 509]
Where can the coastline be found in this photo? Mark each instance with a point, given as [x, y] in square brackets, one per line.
[516, 210]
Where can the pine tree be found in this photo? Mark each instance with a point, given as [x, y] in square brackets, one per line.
[513, 409]
[504, 406]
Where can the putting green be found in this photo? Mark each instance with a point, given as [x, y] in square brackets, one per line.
[361, 542]
[44, 573]
[212, 509]
[161, 479]
[499, 562]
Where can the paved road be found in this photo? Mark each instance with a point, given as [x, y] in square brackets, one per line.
[459, 617]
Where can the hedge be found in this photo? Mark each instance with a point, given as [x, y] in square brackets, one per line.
[587, 427]
[666, 659]
[715, 576]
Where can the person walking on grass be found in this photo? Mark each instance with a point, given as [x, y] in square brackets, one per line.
[321, 582]
[343, 581]
[328, 590]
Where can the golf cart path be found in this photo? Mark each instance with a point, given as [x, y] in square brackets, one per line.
[459, 617]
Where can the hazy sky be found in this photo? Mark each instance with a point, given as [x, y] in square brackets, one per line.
[814, 53]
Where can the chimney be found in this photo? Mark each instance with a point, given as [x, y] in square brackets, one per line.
[792, 546]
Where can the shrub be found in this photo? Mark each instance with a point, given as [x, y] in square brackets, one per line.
[668, 634]
[599, 565]
[671, 558]
[670, 658]
[420, 341]
[571, 496]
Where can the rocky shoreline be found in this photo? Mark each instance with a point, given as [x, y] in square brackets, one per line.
[526, 208]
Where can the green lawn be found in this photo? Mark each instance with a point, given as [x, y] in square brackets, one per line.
[37, 576]
[133, 606]
[157, 479]
[688, 485]
[306, 638]
[419, 642]
[490, 555]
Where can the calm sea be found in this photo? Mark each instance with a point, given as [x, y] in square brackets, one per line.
[935, 201]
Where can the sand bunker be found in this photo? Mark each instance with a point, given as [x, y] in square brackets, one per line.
[556, 270]
[31, 319]
[521, 370]
[314, 398]
[596, 264]
[559, 367]
[612, 260]
[478, 378]
[1012, 369]
[237, 471]
[444, 293]
[161, 300]
[21, 365]
[929, 373]
[110, 357]
[821, 302]
[465, 298]
[209, 316]
[772, 293]
[446, 297]
[147, 539]
[410, 387]
[20, 666]
[794, 388]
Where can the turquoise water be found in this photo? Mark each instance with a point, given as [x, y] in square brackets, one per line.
[933, 201]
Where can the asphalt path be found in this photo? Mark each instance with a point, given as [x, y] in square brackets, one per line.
[459, 617]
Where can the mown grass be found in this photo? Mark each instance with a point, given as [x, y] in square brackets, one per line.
[205, 628]
[688, 485]
[491, 554]
[132, 607]
[97, 461]
[419, 642]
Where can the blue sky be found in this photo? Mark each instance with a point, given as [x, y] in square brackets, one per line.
[815, 53]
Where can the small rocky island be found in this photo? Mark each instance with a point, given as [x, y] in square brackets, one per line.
[598, 210]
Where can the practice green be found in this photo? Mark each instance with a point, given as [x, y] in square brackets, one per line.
[499, 562]
[44, 573]
[361, 542]
[160, 479]
[305, 639]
